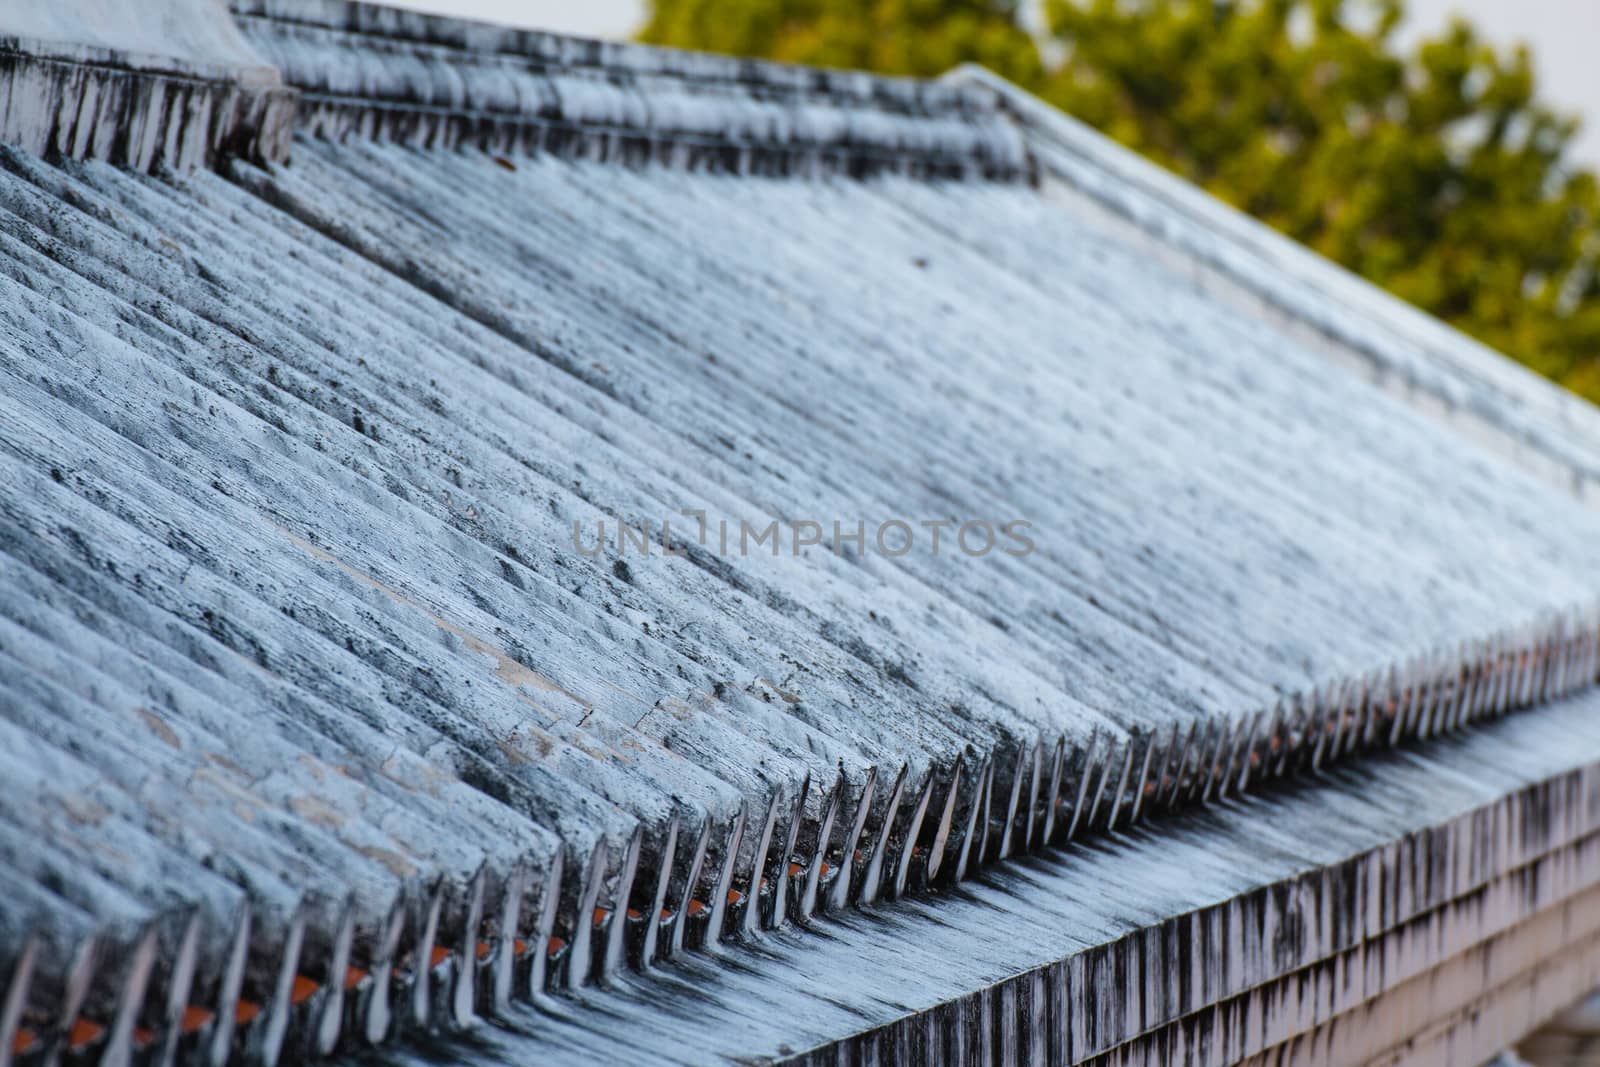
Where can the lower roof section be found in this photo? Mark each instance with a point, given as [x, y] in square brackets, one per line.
[1421, 907]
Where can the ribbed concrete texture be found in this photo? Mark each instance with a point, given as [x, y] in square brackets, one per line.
[611, 553]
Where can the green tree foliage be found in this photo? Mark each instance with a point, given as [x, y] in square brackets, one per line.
[1435, 172]
[924, 38]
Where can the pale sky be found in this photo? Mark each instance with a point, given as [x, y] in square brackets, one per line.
[1565, 35]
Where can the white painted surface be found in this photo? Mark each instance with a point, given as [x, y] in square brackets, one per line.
[164, 84]
[195, 31]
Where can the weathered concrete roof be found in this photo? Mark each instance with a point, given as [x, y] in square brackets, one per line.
[307, 667]
[150, 85]
[374, 71]
[1433, 874]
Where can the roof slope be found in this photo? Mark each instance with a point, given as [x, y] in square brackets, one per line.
[1470, 387]
[302, 469]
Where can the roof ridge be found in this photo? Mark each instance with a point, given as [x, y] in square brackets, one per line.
[372, 72]
[362, 19]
